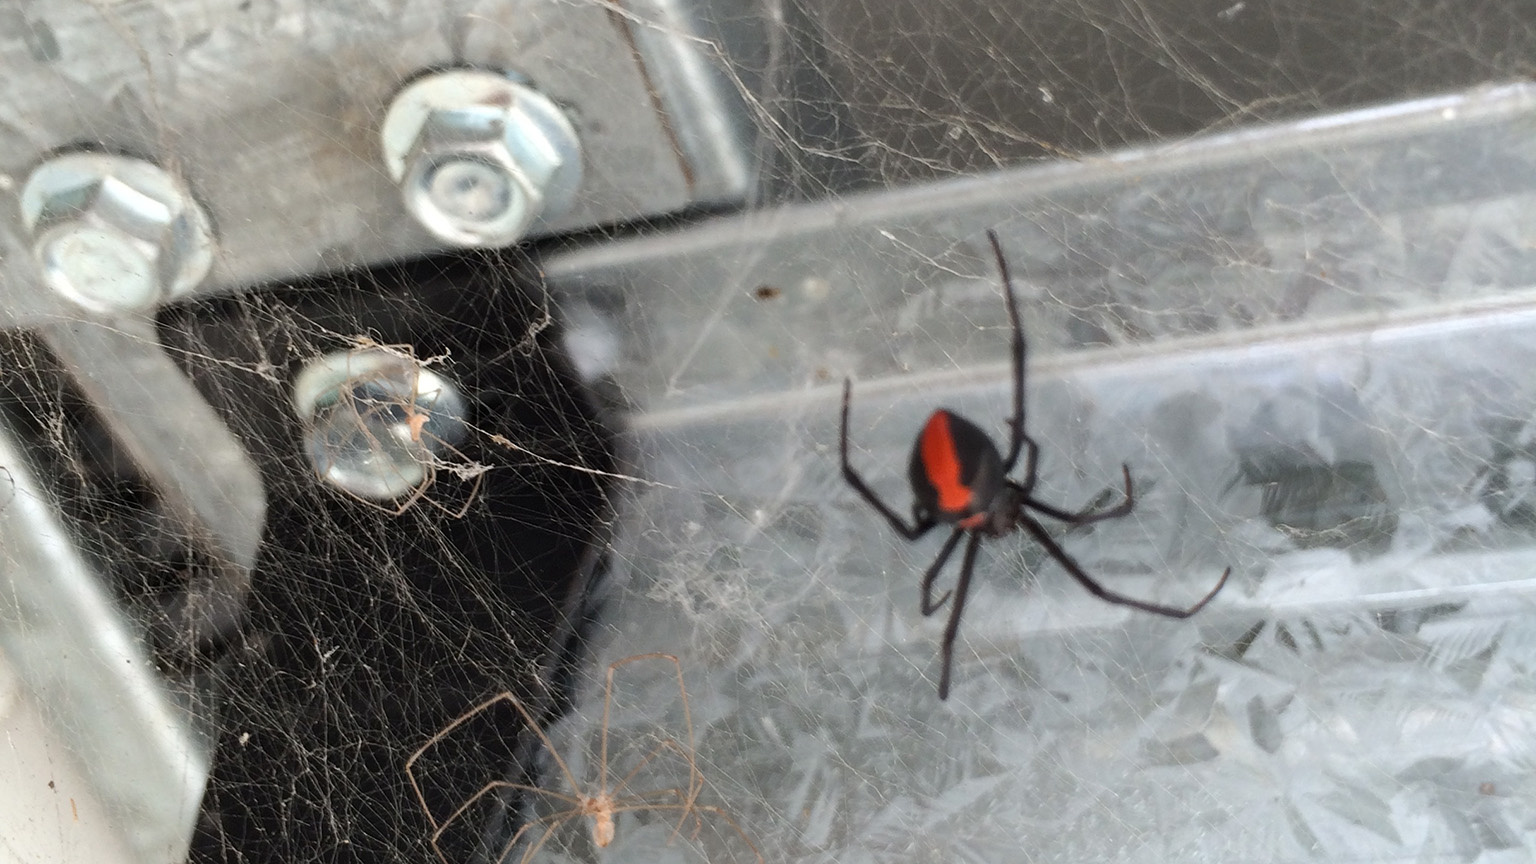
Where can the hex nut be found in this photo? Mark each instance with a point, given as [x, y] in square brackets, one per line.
[114, 234]
[479, 157]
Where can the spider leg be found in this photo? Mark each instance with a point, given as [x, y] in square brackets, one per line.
[655, 752]
[1087, 517]
[735, 826]
[695, 776]
[410, 763]
[1016, 436]
[496, 786]
[910, 532]
[952, 629]
[695, 782]
[526, 857]
[1031, 464]
[694, 810]
[1070, 564]
[436, 463]
[931, 605]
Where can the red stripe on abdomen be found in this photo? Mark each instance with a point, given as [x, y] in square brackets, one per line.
[942, 465]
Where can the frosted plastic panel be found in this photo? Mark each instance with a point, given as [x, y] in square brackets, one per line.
[1311, 344]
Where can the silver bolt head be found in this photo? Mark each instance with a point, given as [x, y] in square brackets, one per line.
[479, 157]
[114, 234]
[377, 422]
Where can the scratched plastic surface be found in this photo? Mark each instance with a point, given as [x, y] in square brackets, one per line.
[1333, 395]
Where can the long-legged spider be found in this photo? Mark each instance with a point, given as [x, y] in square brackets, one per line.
[602, 801]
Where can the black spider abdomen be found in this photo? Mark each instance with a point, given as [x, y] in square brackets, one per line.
[955, 470]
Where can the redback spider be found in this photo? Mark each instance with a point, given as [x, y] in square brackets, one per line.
[958, 478]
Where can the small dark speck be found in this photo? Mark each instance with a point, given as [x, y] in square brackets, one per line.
[244, 7]
[50, 784]
[766, 292]
[1483, 789]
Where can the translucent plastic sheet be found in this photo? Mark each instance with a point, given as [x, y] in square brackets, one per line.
[1318, 374]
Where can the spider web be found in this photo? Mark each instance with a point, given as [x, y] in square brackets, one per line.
[1273, 258]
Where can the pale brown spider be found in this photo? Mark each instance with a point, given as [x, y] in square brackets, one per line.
[370, 414]
[600, 802]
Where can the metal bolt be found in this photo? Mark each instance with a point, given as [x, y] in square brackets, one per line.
[377, 423]
[115, 234]
[479, 157]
